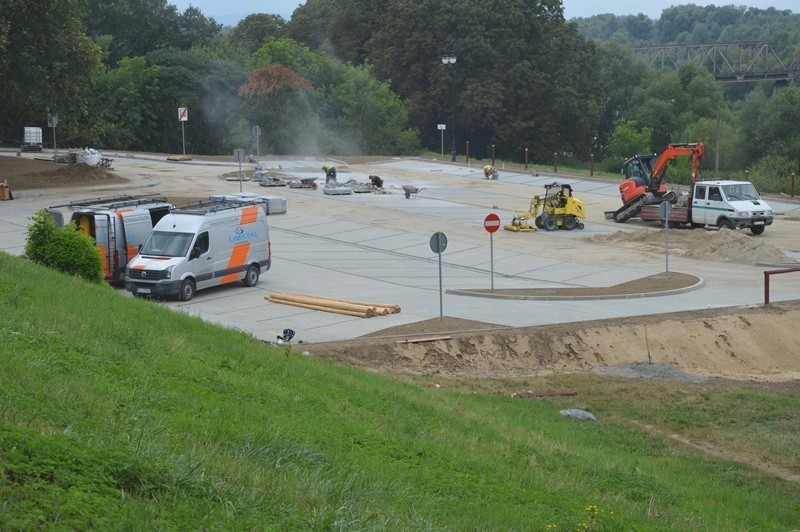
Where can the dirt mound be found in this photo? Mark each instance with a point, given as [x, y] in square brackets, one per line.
[26, 174]
[745, 343]
[713, 245]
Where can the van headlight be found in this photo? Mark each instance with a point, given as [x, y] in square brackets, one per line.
[768, 212]
[168, 272]
[743, 214]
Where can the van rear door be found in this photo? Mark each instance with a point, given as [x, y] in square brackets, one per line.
[99, 226]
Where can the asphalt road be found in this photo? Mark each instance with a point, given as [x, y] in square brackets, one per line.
[376, 247]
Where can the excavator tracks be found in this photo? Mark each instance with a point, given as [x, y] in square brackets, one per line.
[634, 206]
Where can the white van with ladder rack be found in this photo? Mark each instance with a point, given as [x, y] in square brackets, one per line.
[200, 246]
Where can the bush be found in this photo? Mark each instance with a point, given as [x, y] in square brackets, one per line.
[64, 249]
[40, 232]
[772, 173]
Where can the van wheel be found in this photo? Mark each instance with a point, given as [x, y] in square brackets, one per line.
[757, 229]
[187, 290]
[725, 224]
[251, 277]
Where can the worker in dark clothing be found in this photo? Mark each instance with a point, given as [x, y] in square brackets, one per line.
[330, 174]
[376, 181]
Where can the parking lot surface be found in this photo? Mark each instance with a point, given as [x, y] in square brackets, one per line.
[376, 247]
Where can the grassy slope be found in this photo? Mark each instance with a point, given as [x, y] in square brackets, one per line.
[119, 412]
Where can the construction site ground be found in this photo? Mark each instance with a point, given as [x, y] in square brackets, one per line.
[625, 298]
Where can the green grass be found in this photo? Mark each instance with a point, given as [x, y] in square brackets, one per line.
[120, 413]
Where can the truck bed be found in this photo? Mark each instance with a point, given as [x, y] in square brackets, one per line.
[677, 214]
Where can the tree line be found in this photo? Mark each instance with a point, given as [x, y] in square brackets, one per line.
[366, 77]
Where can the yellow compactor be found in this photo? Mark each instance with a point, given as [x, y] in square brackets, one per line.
[557, 209]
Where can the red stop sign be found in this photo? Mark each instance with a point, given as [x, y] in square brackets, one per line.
[491, 223]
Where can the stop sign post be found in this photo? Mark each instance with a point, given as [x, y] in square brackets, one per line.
[491, 223]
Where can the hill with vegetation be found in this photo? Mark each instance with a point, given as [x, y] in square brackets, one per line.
[119, 413]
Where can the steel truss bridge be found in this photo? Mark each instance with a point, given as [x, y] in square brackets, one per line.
[729, 62]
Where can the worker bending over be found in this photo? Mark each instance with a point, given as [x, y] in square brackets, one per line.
[376, 181]
[488, 171]
[330, 174]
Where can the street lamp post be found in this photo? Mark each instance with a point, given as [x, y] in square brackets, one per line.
[450, 59]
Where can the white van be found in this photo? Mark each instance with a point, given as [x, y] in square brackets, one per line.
[119, 226]
[200, 246]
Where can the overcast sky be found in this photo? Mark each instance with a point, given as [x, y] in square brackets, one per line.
[229, 12]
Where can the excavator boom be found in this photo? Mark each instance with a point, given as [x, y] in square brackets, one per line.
[672, 151]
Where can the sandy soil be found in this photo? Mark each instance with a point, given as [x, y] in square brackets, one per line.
[752, 343]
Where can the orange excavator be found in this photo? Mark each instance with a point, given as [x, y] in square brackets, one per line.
[646, 178]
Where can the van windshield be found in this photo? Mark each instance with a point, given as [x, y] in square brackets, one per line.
[740, 191]
[167, 244]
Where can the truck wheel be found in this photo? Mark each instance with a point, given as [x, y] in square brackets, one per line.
[725, 224]
[187, 290]
[549, 223]
[570, 223]
[757, 229]
[251, 277]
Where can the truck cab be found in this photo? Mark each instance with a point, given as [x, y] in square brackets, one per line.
[730, 204]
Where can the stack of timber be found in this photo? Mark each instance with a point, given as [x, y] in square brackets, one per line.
[338, 306]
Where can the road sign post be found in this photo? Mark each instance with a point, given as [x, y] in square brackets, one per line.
[183, 117]
[491, 223]
[52, 121]
[442, 127]
[256, 131]
[238, 155]
[664, 210]
[438, 245]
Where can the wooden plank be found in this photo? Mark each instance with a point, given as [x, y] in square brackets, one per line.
[427, 339]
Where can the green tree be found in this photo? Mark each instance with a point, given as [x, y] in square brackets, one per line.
[254, 30]
[46, 61]
[278, 97]
[628, 140]
[621, 75]
[123, 106]
[132, 28]
[523, 78]
[670, 101]
[778, 128]
[730, 156]
[347, 112]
